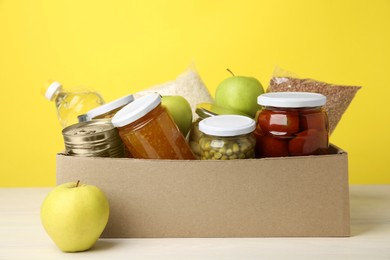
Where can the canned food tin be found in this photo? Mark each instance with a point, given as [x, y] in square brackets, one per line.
[96, 138]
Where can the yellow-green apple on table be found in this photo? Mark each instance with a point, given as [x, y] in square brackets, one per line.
[239, 93]
[74, 215]
[180, 110]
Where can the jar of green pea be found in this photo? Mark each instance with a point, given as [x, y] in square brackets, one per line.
[205, 110]
[227, 137]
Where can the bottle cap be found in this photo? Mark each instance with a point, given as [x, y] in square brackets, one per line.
[227, 125]
[109, 106]
[136, 109]
[291, 99]
[54, 86]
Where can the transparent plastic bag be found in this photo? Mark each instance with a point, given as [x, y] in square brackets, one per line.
[339, 97]
[188, 84]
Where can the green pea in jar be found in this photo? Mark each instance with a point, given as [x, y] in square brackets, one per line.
[227, 137]
[205, 110]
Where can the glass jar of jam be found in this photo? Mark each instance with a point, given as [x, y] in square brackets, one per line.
[291, 124]
[108, 110]
[149, 132]
[227, 137]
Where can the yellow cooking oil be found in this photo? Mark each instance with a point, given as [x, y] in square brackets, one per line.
[70, 104]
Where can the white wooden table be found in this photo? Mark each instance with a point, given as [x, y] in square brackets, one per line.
[23, 237]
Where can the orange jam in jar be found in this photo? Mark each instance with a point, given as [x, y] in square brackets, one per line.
[149, 132]
[291, 124]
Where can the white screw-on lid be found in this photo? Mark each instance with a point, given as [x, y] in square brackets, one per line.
[227, 125]
[291, 99]
[52, 89]
[136, 109]
[109, 106]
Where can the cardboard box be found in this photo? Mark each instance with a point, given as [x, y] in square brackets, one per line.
[293, 196]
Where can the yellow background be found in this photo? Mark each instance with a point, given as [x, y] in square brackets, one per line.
[120, 47]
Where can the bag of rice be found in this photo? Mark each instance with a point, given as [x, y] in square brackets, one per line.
[338, 97]
[188, 84]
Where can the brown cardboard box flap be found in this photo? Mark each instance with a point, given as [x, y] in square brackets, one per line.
[293, 196]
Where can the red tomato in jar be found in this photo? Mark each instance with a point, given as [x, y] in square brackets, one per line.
[280, 123]
[269, 146]
[309, 142]
[313, 119]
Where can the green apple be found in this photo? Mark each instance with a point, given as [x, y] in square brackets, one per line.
[239, 93]
[75, 215]
[180, 110]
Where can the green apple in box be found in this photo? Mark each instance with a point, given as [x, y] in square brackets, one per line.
[239, 93]
[180, 110]
[74, 215]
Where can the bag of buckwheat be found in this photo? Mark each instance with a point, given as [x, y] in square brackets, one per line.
[338, 96]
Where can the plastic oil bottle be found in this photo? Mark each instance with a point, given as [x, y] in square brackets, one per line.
[71, 104]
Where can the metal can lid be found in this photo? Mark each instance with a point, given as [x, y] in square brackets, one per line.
[109, 106]
[93, 131]
[227, 125]
[291, 99]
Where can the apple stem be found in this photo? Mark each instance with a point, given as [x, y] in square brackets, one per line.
[78, 182]
[230, 72]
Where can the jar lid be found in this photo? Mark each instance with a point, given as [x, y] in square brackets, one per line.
[100, 110]
[51, 90]
[291, 99]
[227, 125]
[209, 109]
[136, 109]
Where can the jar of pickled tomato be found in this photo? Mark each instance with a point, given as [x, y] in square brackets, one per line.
[149, 132]
[291, 124]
